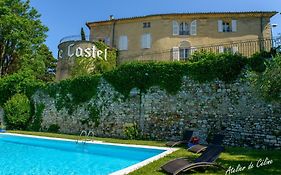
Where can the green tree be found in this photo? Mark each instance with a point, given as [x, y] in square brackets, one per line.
[41, 63]
[83, 36]
[21, 33]
[17, 111]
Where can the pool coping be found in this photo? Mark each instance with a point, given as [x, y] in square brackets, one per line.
[167, 150]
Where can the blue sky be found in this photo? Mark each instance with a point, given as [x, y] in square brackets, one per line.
[66, 17]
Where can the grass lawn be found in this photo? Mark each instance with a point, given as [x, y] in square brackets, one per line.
[233, 156]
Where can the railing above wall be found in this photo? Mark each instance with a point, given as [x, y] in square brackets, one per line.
[73, 38]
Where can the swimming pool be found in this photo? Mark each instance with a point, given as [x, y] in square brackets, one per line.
[30, 155]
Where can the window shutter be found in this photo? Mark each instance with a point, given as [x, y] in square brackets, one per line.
[175, 28]
[145, 41]
[148, 41]
[176, 53]
[221, 49]
[193, 28]
[220, 27]
[123, 43]
[234, 25]
[192, 50]
[235, 49]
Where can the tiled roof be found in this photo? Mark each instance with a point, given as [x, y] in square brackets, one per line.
[271, 13]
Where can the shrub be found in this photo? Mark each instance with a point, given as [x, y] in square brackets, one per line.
[54, 128]
[22, 82]
[17, 111]
[226, 67]
[258, 61]
[269, 82]
[144, 75]
[131, 131]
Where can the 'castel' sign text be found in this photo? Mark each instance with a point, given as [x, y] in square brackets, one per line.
[92, 52]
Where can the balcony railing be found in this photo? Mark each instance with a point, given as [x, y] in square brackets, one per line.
[73, 38]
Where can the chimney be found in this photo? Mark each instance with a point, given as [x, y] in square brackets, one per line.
[111, 17]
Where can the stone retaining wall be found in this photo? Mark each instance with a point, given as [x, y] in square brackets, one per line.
[233, 109]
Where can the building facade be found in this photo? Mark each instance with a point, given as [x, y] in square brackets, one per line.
[166, 37]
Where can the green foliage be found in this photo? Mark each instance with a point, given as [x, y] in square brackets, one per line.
[54, 128]
[94, 115]
[131, 131]
[37, 118]
[91, 66]
[202, 67]
[144, 75]
[268, 83]
[257, 62]
[22, 82]
[209, 66]
[21, 33]
[72, 92]
[17, 111]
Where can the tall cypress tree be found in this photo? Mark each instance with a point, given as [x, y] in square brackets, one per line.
[83, 36]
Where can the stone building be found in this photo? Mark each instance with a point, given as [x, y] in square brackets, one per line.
[175, 36]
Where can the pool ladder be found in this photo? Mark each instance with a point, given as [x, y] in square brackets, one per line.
[86, 134]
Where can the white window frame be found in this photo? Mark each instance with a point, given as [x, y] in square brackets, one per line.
[123, 42]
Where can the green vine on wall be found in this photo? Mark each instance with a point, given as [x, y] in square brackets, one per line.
[72, 92]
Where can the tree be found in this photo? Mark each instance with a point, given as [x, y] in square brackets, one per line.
[17, 111]
[41, 63]
[268, 83]
[83, 36]
[21, 33]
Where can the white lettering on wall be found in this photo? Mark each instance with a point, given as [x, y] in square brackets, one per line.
[88, 52]
[69, 50]
[79, 52]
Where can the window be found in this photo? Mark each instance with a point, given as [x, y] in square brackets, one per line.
[184, 53]
[146, 25]
[146, 41]
[184, 28]
[227, 25]
[123, 43]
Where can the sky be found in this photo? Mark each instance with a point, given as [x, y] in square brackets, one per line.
[66, 17]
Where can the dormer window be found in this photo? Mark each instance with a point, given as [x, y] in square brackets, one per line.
[146, 25]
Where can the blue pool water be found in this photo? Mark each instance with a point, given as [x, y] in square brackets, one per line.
[33, 156]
